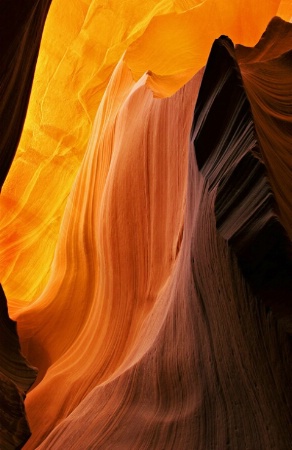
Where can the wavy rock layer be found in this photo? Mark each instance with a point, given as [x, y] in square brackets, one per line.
[111, 279]
[153, 331]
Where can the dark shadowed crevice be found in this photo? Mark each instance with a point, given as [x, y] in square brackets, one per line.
[228, 154]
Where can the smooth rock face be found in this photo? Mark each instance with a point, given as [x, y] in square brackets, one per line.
[165, 321]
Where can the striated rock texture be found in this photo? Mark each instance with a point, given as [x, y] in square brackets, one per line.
[98, 298]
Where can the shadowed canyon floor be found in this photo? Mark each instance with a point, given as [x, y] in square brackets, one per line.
[165, 321]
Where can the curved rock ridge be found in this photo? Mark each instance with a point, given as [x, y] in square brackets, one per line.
[125, 217]
[16, 377]
[230, 158]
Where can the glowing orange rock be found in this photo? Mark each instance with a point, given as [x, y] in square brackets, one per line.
[103, 285]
